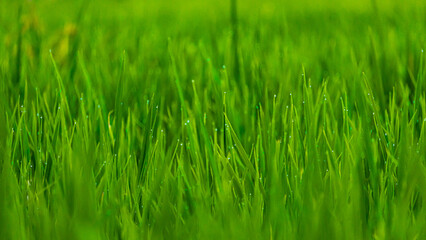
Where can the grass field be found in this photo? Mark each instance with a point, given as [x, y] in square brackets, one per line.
[212, 119]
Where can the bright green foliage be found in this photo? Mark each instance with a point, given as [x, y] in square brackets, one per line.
[175, 120]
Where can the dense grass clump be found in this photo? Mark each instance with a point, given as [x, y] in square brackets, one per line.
[212, 119]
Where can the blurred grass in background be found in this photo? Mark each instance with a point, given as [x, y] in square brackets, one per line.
[130, 119]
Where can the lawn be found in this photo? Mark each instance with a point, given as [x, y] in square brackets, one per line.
[225, 119]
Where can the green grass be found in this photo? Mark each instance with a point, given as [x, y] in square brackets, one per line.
[198, 120]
